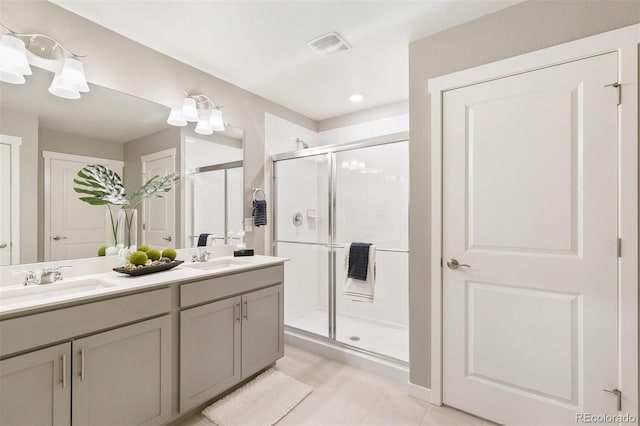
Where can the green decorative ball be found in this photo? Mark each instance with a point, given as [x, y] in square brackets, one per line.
[154, 254]
[170, 253]
[144, 248]
[138, 258]
[102, 251]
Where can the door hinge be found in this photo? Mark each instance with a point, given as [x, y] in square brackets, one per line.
[144, 226]
[618, 87]
[619, 247]
[441, 262]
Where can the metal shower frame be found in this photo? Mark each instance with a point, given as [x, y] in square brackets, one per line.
[330, 152]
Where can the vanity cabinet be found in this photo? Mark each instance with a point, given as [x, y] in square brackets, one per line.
[35, 387]
[227, 341]
[262, 329]
[122, 376]
[209, 350]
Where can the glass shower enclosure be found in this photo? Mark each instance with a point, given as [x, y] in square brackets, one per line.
[326, 198]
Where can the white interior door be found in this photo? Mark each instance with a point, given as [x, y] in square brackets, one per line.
[158, 224]
[5, 204]
[9, 199]
[530, 203]
[73, 229]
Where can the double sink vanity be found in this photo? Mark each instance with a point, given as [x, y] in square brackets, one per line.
[112, 349]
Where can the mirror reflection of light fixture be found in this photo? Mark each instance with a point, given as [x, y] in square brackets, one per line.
[13, 60]
[176, 118]
[200, 109]
[18, 51]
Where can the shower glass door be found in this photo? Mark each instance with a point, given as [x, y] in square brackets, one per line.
[302, 230]
[372, 206]
[325, 199]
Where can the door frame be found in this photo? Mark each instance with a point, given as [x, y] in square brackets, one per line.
[48, 156]
[14, 143]
[171, 152]
[625, 43]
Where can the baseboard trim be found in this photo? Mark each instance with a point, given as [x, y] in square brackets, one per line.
[419, 392]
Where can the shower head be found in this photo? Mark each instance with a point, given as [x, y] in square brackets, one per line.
[300, 142]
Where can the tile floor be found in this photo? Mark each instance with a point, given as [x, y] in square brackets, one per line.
[345, 395]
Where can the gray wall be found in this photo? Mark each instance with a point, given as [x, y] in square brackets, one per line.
[134, 150]
[25, 125]
[522, 28]
[121, 64]
[70, 143]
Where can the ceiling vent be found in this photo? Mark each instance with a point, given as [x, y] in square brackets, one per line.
[329, 44]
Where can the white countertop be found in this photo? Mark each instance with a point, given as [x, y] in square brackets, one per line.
[21, 299]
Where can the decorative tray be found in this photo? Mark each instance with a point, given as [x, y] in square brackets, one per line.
[150, 269]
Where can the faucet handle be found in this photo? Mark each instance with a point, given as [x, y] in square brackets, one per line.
[29, 276]
[57, 272]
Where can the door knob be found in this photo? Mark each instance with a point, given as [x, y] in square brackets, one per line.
[454, 264]
[3, 245]
[167, 238]
[58, 238]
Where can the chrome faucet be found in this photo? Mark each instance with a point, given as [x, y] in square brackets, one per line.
[52, 275]
[200, 255]
[45, 276]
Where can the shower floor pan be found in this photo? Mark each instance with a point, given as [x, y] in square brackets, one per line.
[357, 331]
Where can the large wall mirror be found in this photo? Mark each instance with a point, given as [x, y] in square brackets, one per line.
[130, 136]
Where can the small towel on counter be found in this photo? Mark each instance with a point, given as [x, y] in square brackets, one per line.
[259, 212]
[356, 289]
[202, 240]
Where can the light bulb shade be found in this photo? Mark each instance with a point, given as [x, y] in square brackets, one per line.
[190, 110]
[72, 77]
[215, 120]
[176, 118]
[13, 60]
[9, 77]
[62, 91]
[202, 128]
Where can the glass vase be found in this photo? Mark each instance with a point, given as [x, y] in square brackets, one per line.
[111, 230]
[128, 229]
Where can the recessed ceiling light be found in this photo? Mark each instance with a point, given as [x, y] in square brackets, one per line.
[356, 97]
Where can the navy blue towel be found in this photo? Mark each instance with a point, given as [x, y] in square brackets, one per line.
[202, 240]
[358, 261]
[259, 212]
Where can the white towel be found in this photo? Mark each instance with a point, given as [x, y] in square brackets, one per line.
[358, 290]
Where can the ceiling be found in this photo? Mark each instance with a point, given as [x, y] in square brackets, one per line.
[261, 46]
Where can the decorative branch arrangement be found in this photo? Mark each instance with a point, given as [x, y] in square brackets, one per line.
[100, 185]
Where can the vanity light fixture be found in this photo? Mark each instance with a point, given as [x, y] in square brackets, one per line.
[19, 51]
[200, 109]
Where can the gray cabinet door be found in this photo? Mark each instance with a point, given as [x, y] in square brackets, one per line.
[209, 351]
[35, 388]
[262, 329]
[123, 376]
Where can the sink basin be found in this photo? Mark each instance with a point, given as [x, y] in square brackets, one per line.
[223, 263]
[25, 294]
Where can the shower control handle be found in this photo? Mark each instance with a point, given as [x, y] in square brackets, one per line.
[454, 264]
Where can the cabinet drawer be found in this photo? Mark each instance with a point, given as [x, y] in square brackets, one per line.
[229, 285]
[18, 334]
